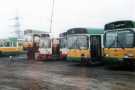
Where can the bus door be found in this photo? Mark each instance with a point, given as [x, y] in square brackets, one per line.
[55, 48]
[95, 46]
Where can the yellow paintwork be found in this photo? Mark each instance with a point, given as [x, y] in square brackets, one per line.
[27, 44]
[77, 52]
[119, 52]
[10, 49]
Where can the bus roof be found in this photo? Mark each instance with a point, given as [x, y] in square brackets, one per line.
[120, 24]
[32, 32]
[95, 31]
[85, 31]
[13, 39]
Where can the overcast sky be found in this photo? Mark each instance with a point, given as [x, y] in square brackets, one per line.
[35, 14]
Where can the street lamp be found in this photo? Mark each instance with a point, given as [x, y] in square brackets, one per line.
[52, 14]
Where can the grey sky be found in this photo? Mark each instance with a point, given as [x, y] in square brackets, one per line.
[35, 14]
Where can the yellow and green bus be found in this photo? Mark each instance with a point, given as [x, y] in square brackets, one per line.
[119, 42]
[86, 42]
[11, 47]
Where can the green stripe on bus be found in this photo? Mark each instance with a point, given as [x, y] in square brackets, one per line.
[74, 59]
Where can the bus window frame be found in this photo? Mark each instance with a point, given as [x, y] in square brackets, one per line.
[45, 39]
[117, 37]
[87, 38]
[105, 39]
[61, 38]
[133, 45]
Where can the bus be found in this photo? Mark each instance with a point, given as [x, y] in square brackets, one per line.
[119, 42]
[29, 37]
[11, 47]
[86, 42]
[45, 50]
[63, 45]
[49, 48]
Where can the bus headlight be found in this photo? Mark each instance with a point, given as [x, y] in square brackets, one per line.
[107, 55]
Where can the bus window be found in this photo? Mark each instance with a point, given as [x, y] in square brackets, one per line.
[28, 38]
[14, 44]
[82, 42]
[7, 44]
[63, 43]
[1, 44]
[45, 43]
[77, 42]
[72, 40]
[126, 39]
[110, 40]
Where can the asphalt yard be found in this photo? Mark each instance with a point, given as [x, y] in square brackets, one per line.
[20, 74]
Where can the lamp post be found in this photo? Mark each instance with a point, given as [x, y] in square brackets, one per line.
[52, 15]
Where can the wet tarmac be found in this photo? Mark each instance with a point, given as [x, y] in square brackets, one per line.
[21, 74]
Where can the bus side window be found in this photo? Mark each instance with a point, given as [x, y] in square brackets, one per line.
[1, 44]
[6, 44]
[14, 44]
